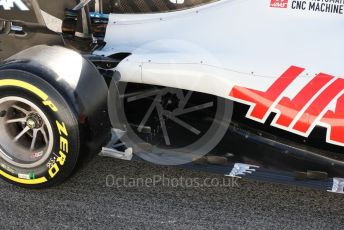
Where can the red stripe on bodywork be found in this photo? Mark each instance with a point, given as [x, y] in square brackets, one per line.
[318, 105]
[336, 121]
[290, 108]
[264, 100]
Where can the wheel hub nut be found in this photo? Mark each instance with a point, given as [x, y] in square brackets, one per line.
[31, 123]
[34, 121]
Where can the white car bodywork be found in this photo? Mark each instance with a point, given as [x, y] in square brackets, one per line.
[230, 42]
[247, 46]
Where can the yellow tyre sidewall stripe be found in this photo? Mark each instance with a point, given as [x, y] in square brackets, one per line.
[24, 85]
[23, 181]
[43, 96]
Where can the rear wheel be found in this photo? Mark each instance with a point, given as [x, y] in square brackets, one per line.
[39, 138]
[25, 129]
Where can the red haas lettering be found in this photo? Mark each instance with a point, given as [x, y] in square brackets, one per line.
[334, 121]
[307, 109]
[263, 100]
[290, 108]
[318, 106]
[279, 3]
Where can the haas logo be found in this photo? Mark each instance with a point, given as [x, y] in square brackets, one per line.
[279, 3]
[299, 115]
[9, 4]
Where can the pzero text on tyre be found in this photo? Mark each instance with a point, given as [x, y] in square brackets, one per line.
[49, 120]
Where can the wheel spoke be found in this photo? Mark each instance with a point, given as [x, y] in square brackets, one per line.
[44, 135]
[25, 130]
[20, 109]
[34, 138]
[18, 120]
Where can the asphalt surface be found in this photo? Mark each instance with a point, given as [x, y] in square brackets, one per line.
[92, 200]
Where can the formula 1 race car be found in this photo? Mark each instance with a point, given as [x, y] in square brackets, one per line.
[243, 88]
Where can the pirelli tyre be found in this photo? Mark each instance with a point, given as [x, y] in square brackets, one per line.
[43, 131]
